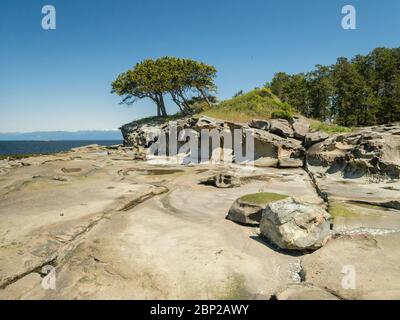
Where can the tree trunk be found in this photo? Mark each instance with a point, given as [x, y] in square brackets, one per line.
[162, 106]
[205, 97]
[182, 105]
[178, 104]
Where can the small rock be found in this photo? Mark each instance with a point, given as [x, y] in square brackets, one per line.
[61, 179]
[222, 180]
[301, 127]
[282, 128]
[71, 170]
[259, 124]
[314, 137]
[246, 213]
[249, 209]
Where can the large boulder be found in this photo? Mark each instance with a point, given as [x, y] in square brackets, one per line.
[295, 225]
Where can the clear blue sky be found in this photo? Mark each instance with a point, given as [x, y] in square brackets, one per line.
[60, 80]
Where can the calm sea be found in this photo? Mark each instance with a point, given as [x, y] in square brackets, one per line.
[45, 147]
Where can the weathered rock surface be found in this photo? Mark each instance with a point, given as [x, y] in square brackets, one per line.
[108, 222]
[110, 227]
[304, 291]
[357, 267]
[294, 225]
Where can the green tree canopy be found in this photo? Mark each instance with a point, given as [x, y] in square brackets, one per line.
[362, 91]
[185, 80]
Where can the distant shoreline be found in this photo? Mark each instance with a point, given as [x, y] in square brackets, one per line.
[18, 149]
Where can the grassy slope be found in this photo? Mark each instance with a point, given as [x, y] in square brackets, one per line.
[262, 104]
[256, 104]
[317, 125]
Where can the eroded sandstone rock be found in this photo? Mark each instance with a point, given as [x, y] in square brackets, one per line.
[369, 152]
[357, 267]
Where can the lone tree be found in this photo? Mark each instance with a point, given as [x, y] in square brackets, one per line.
[145, 80]
[185, 80]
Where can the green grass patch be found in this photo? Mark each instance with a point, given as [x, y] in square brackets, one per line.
[235, 289]
[256, 104]
[263, 197]
[370, 206]
[316, 125]
[338, 209]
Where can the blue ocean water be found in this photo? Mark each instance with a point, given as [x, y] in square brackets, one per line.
[47, 147]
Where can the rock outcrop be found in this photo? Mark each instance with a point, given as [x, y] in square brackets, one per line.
[284, 144]
[274, 140]
[373, 151]
[295, 225]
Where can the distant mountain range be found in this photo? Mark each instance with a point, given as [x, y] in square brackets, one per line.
[62, 135]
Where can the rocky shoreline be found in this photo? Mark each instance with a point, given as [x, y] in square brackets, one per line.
[113, 225]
